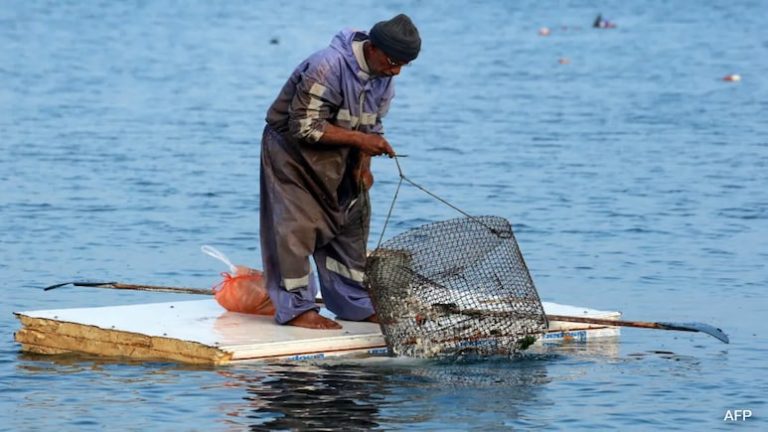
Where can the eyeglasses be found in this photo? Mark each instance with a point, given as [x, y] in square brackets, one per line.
[393, 63]
[390, 62]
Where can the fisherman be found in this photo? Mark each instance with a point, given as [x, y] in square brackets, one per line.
[316, 152]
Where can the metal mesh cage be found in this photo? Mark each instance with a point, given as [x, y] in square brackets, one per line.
[454, 287]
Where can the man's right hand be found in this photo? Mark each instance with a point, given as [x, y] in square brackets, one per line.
[375, 145]
[369, 144]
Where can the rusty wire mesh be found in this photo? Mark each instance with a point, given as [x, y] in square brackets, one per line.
[454, 288]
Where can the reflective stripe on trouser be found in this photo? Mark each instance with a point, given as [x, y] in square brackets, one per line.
[345, 297]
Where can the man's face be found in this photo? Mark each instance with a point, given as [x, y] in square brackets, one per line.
[382, 65]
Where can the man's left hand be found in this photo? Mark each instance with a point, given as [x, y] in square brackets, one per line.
[367, 179]
[363, 172]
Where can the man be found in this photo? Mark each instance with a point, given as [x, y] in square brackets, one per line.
[321, 132]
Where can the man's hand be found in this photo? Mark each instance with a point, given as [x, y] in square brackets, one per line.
[375, 145]
[369, 144]
[367, 179]
[363, 172]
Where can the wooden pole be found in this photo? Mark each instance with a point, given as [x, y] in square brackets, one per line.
[122, 286]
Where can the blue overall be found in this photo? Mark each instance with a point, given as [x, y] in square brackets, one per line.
[312, 204]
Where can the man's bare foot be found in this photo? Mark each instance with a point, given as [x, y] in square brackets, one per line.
[313, 320]
[373, 318]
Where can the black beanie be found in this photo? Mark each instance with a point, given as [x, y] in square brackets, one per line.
[398, 38]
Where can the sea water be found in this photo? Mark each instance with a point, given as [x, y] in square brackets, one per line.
[634, 176]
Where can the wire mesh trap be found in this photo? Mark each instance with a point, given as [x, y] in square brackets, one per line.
[454, 288]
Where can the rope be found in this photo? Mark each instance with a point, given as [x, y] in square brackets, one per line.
[433, 195]
[391, 207]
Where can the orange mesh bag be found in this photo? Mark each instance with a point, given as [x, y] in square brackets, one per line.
[242, 290]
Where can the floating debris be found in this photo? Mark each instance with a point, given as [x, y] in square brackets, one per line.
[602, 23]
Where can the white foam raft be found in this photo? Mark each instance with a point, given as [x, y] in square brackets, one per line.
[201, 332]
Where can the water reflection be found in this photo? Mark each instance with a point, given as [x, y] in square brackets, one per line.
[341, 394]
[387, 394]
[306, 396]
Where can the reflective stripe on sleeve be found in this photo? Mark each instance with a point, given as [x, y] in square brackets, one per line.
[317, 90]
[368, 119]
[307, 130]
[345, 115]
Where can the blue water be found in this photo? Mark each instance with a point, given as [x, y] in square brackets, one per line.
[634, 176]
